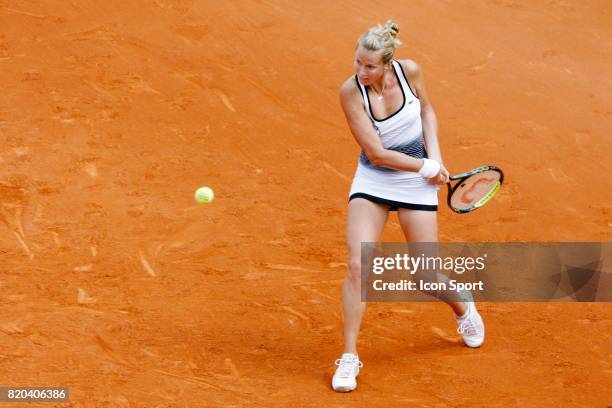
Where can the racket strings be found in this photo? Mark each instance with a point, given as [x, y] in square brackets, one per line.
[475, 190]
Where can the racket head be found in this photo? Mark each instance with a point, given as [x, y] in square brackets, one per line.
[474, 189]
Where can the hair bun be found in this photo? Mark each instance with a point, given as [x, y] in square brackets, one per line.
[392, 27]
[381, 37]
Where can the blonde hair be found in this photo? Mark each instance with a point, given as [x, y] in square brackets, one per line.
[381, 38]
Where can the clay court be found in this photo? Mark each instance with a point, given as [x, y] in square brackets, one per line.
[116, 283]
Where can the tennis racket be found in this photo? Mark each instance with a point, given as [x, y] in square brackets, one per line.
[474, 188]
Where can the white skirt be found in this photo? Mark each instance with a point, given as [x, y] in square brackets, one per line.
[403, 189]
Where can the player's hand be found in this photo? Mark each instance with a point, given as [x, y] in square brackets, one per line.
[444, 175]
[442, 178]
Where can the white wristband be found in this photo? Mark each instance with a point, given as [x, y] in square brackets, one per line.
[430, 168]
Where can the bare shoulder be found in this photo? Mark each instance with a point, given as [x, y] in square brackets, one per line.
[349, 87]
[349, 90]
[410, 67]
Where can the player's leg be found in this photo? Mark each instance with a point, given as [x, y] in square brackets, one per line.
[422, 226]
[366, 221]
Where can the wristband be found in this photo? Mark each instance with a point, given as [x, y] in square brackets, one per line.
[430, 168]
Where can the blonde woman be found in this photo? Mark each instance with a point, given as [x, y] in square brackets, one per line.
[400, 169]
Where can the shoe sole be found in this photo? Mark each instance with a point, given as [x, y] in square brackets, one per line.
[474, 345]
[344, 389]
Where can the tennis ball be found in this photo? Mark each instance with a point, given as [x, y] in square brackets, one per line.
[204, 195]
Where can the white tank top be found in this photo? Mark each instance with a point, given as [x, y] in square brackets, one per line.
[401, 131]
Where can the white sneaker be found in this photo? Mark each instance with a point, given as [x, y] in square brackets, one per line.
[471, 326]
[348, 369]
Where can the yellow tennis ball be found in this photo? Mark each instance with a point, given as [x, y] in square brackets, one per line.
[204, 195]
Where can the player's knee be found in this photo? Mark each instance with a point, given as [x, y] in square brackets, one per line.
[354, 270]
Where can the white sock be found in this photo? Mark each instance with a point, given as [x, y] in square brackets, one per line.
[350, 356]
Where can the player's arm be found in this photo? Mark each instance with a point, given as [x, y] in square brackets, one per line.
[428, 115]
[365, 135]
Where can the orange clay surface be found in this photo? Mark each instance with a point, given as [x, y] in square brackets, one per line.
[116, 283]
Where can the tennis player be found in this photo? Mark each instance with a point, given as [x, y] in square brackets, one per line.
[400, 169]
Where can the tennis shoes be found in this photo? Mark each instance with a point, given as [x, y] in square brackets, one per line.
[470, 326]
[344, 379]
